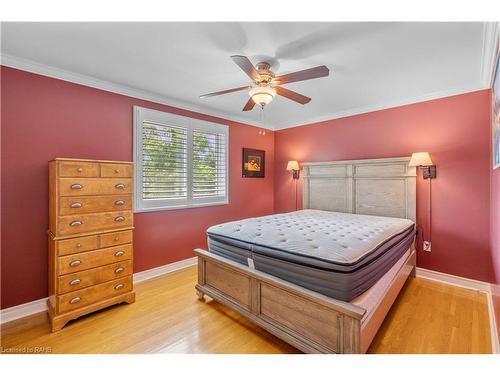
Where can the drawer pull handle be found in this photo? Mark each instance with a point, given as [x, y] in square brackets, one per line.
[119, 253]
[116, 239]
[76, 205]
[77, 186]
[75, 300]
[74, 282]
[120, 186]
[119, 218]
[75, 263]
[119, 270]
[75, 223]
[117, 171]
[119, 286]
[120, 202]
[78, 245]
[80, 170]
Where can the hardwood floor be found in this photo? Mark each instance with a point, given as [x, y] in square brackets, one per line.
[427, 317]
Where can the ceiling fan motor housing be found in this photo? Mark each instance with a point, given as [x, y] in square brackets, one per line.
[266, 75]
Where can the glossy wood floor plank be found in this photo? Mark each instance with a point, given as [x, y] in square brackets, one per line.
[428, 317]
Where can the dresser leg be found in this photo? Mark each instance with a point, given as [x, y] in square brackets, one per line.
[58, 324]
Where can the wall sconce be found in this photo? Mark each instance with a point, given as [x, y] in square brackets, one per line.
[423, 161]
[293, 166]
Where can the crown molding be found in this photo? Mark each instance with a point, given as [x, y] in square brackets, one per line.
[489, 52]
[490, 35]
[81, 79]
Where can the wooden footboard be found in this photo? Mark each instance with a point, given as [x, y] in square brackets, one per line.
[310, 321]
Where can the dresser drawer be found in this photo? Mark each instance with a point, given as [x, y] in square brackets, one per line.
[116, 238]
[97, 203]
[74, 224]
[76, 245]
[96, 258]
[78, 169]
[94, 186]
[83, 279]
[116, 170]
[87, 296]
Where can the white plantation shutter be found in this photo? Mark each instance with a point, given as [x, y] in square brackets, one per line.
[209, 164]
[179, 162]
[164, 162]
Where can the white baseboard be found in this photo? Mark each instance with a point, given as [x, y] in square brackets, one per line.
[139, 277]
[454, 280]
[20, 311]
[40, 305]
[463, 282]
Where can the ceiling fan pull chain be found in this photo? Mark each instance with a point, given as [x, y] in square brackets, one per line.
[263, 132]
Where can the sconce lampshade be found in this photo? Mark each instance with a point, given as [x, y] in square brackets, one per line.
[420, 159]
[292, 165]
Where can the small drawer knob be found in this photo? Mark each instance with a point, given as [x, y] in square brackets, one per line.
[75, 282]
[76, 205]
[120, 186]
[119, 202]
[80, 170]
[116, 239]
[78, 245]
[119, 218]
[119, 286]
[119, 253]
[75, 263]
[117, 171]
[76, 186]
[75, 300]
[119, 270]
[75, 223]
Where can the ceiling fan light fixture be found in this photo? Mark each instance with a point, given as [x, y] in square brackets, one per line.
[262, 95]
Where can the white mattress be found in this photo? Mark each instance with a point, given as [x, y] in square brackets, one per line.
[334, 237]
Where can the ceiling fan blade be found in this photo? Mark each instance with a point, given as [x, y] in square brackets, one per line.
[302, 75]
[246, 65]
[249, 106]
[224, 92]
[292, 95]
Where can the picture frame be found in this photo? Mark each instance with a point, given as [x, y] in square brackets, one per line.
[253, 163]
[495, 118]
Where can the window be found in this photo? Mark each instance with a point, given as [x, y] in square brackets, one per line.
[180, 162]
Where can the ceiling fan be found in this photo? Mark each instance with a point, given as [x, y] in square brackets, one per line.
[266, 85]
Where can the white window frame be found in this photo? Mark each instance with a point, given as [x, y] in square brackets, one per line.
[142, 115]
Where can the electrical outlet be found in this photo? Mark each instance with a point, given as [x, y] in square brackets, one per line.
[427, 246]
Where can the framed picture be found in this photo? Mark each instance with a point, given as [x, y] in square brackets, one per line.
[253, 163]
[496, 115]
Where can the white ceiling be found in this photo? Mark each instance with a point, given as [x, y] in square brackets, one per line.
[372, 65]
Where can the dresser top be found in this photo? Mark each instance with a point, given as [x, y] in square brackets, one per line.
[93, 161]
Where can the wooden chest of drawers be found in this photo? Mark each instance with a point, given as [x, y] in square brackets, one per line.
[90, 237]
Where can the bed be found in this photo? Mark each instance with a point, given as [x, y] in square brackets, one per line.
[323, 278]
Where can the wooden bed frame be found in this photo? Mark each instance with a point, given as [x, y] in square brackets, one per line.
[310, 321]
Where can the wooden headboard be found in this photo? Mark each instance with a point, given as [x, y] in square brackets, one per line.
[383, 187]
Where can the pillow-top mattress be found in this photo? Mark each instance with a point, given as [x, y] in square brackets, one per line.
[337, 254]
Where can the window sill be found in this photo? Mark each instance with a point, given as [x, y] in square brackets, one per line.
[180, 207]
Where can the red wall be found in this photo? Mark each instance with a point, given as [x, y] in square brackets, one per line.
[495, 239]
[455, 131]
[43, 118]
